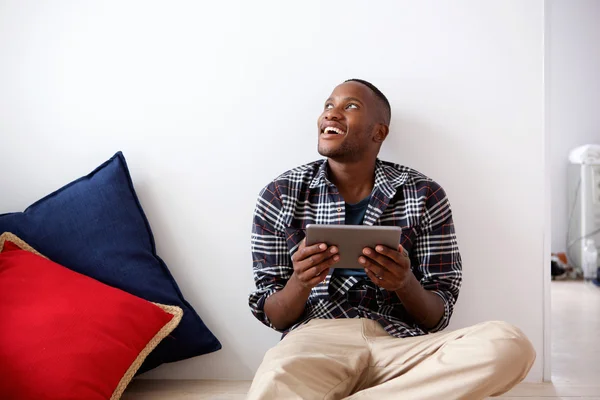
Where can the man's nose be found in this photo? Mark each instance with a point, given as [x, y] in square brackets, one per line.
[333, 115]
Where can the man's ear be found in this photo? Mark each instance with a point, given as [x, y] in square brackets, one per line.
[381, 132]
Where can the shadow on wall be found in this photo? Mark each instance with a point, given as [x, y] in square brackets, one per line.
[448, 158]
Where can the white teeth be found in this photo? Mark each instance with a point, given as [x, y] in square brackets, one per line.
[331, 129]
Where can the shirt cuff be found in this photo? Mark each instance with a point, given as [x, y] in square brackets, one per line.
[259, 309]
[445, 320]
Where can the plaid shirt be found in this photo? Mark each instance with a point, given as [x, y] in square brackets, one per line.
[401, 197]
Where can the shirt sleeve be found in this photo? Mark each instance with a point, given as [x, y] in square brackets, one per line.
[271, 261]
[437, 255]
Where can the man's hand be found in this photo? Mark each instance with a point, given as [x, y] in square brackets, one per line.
[311, 263]
[387, 268]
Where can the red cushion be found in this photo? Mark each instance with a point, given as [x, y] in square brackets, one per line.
[10, 246]
[64, 335]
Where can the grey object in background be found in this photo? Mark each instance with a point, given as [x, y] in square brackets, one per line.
[584, 201]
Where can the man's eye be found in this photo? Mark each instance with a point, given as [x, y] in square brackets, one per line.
[328, 106]
[351, 106]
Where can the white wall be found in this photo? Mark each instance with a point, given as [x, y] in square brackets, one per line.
[573, 90]
[210, 103]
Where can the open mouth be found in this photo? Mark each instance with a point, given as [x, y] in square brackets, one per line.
[333, 131]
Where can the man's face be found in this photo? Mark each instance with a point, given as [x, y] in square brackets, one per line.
[348, 122]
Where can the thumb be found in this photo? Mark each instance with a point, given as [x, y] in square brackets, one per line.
[402, 250]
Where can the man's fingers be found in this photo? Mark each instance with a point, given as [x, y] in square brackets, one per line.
[387, 252]
[370, 265]
[384, 261]
[313, 260]
[301, 247]
[315, 275]
[329, 262]
[402, 251]
[305, 252]
[316, 280]
[325, 263]
[400, 257]
[373, 277]
[308, 272]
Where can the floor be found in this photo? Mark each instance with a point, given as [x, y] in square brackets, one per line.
[575, 355]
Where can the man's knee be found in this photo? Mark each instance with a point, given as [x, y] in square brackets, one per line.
[276, 370]
[302, 376]
[509, 347]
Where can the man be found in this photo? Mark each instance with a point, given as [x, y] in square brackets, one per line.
[372, 333]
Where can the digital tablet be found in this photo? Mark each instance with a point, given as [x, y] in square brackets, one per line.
[352, 239]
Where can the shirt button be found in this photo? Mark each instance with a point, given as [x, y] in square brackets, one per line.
[339, 210]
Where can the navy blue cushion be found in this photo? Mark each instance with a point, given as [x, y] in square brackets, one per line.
[96, 226]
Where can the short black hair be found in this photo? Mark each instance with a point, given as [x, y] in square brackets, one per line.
[379, 94]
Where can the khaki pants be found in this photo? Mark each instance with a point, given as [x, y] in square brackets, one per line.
[357, 359]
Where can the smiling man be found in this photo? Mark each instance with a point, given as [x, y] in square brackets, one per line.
[375, 332]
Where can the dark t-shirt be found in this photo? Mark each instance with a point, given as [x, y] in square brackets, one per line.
[355, 214]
